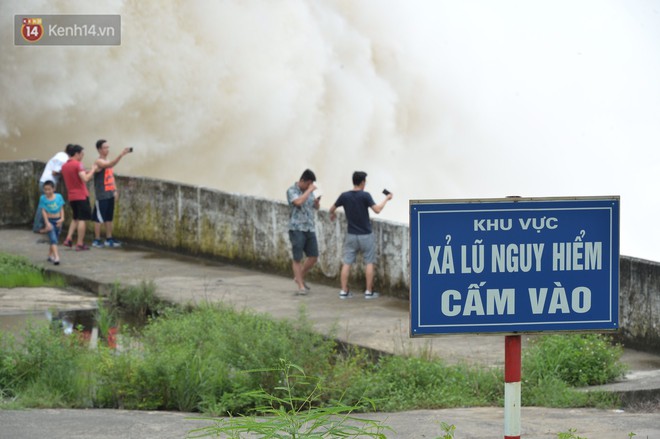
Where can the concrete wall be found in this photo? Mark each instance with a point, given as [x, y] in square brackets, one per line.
[208, 222]
[253, 231]
[19, 191]
[245, 229]
[639, 303]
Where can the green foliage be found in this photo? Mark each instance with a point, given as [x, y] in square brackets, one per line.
[554, 364]
[217, 343]
[196, 360]
[398, 383]
[449, 430]
[18, 271]
[105, 318]
[570, 434]
[139, 302]
[43, 370]
[289, 413]
[576, 359]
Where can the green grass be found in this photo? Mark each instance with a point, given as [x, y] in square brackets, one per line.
[195, 361]
[218, 361]
[294, 415]
[17, 271]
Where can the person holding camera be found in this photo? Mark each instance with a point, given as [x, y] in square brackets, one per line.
[360, 238]
[105, 191]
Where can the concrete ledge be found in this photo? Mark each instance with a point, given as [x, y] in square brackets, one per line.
[252, 231]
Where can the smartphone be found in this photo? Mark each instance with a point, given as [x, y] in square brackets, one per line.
[386, 192]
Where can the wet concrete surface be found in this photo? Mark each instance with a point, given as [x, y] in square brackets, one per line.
[381, 324]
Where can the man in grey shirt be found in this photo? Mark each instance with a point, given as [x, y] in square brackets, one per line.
[302, 230]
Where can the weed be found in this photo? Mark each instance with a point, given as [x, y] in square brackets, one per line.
[288, 414]
[577, 359]
[105, 318]
[448, 429]
[570, 434]
[137, 301]
[413, 383]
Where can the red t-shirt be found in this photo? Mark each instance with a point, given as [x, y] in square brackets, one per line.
[75, 187]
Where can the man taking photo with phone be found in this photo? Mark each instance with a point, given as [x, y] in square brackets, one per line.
[106, 192]
[360, 238]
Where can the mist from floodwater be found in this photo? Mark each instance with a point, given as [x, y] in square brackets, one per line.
[433, 99]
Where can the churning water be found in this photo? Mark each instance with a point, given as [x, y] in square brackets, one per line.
[434, 99]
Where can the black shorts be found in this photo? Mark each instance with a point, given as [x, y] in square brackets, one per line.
[81, 209]
[104, 210]
[303, 242]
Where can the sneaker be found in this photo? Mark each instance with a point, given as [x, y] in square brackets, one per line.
[50, 259]
[97, 243]
[57, 262]
[370, 294]
[112, 243]
[67, 243]
[301, 292]
[81, 248]
[345, 294]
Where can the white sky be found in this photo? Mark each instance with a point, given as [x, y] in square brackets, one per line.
[562, 98]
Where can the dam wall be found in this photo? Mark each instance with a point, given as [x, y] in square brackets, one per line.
[252, 231]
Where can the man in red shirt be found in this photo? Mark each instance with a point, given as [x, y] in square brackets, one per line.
[76, 178]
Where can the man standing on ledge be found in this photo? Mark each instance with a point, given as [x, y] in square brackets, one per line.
[106, 192]
[302, 231]
[360, 238]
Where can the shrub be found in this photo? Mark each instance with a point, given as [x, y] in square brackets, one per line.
[138, 302]
[576, 359]
[398, 383]
[217, 343]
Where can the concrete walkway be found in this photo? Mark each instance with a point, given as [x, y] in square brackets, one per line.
[380, 324]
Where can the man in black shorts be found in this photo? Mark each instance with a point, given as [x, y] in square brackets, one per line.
[302, 229]
[106, 192]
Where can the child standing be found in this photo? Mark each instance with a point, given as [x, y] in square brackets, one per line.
[51, 206]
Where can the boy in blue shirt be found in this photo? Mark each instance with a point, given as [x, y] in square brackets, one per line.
[51, 206]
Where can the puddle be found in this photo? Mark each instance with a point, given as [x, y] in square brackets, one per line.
[16, 323]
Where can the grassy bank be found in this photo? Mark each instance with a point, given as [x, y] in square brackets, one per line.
[16, 271]
[217, 360]
[198, 360]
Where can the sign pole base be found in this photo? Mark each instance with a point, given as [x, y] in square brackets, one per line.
[512, 367]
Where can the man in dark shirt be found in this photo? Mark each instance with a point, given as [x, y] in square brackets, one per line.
[360, 238]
